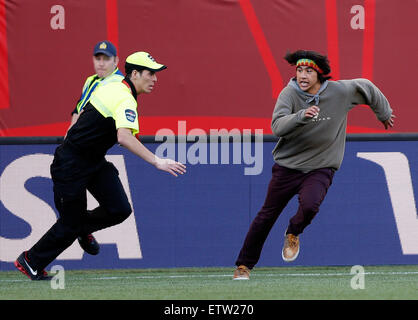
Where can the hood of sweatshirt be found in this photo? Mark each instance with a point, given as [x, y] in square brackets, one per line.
[308, 97]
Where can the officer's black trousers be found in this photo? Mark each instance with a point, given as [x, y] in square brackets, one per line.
[74, 220]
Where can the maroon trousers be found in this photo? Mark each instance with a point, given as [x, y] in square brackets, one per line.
[285, 183]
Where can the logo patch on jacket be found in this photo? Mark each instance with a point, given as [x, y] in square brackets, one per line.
[130, 115]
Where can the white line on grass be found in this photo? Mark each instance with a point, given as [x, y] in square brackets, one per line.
[256, 275]
[260, 275]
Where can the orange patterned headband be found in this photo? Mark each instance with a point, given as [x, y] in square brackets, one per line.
[309, 63]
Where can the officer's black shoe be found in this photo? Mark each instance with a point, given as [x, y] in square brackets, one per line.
[89, 244]
[22, 264]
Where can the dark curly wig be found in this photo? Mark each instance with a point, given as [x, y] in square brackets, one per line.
[320, 60]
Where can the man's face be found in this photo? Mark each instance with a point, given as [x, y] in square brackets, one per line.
[144, 82]
[307, 79]
[104, 65]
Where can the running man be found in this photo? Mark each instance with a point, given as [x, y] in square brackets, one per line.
[310, 118]
[79, 165]
[105, 63]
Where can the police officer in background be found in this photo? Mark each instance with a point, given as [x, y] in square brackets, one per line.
[105, 62]
[109, 117]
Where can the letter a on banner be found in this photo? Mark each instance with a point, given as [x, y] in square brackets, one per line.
[58, 20]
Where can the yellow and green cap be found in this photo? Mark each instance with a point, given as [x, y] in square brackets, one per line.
[143, 60]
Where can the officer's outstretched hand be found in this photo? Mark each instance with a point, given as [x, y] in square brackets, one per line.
[170, 166]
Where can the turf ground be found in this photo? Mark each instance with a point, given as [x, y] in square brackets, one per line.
[281, 283]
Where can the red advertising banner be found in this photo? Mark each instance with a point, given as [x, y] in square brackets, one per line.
[224, 57]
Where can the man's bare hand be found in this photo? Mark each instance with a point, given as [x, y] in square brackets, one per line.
[170, 166]
[389, 122]
[312, 112]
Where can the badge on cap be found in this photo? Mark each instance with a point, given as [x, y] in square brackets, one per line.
[149, 56]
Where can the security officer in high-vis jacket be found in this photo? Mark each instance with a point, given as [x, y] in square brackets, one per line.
[109, 117]
[105, 63]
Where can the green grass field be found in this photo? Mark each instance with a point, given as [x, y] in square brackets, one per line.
[280, 283]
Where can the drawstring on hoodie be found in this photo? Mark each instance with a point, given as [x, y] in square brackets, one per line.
[309, 97]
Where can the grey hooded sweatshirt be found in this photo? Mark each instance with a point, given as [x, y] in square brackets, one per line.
[306, 144]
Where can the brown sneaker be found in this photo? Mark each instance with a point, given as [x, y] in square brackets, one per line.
[290, 248]
[241, 273]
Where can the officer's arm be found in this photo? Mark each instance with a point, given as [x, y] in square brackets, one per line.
[127, 140]
[74, 118]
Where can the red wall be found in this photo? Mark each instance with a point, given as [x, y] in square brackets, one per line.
[225, 58]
